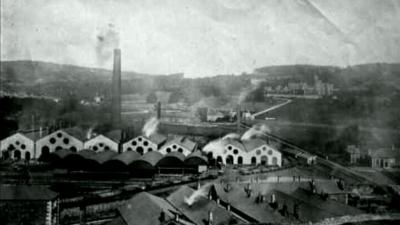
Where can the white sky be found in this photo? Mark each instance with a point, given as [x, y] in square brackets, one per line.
[201, 37]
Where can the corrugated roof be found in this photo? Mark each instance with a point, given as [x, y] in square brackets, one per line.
[156, 138]
[86, 153]
[151, 157]
[145, 209]
[198, 211]
[26, 192]
[184, 142]
[103, 156]
[196, 156]
[127, 157]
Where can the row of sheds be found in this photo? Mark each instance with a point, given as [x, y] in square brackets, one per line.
[33, 145]
[131, 161]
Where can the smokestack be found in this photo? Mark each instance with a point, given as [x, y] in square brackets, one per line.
[116, 90]
[210, 218]
[238, 118]
[158, 110]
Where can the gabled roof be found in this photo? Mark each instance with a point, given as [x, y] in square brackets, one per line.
[115, 135]
[156, 138]
[76, 132]
[145, 209]
[151, 157]
[182, 141]
[385, 153]
[103, 156]
[233, 142]
[199, 210]
[252, 144]
[30, 135]
[26, 193]
[61, 154]
[197, 154]
[101, 136]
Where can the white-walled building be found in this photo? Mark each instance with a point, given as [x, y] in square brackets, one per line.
[143, 144]
[253, 151]
[18, 146]
[58, 140]
[179, 144]
[101, 143]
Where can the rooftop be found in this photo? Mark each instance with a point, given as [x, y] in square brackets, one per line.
[26, 192]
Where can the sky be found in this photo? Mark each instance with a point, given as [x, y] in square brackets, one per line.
[201, 37]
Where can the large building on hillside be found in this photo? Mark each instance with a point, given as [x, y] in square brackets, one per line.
[253, 151]
[385, 158]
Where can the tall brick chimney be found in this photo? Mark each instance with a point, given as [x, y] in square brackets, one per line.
[116, 90]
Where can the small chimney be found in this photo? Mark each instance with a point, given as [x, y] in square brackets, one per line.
[217, 200]
[273, 199]
[210, 218]
[198, 185]
[176, 217]
[228, 207]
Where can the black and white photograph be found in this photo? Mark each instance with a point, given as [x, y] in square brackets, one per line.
[199, 112]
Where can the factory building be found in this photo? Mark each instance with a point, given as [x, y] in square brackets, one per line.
[143, 144]
[18, 146]
[101, 143]
[248, 152]
[58, 140]
[179, 144]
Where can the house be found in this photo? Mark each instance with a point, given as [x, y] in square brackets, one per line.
[355, 154]
[143, 144]
[254, 151]
[148, 209]
[385, 158]
[101, 143]
[23, 204]
[61, 139]
[18, 146]
[179, 144]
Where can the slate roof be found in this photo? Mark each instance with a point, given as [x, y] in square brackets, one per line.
[385, 153]
[198, 212]
[145, 209]
[26, 192]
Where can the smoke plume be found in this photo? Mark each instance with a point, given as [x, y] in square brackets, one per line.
[150, 127]
[202, 191]
[231, 136]
[215, 146]
[257, 130]
[107, 41]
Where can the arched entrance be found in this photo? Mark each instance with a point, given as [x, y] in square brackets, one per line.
[140, 150]
[219, 160]
[17, 155]
[27, 156]
[264, 160]
[240, 160]
[229, 159]
[253, 160]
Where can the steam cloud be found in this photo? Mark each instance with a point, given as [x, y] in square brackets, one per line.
[215, 146]
[150, 127]
[202, 191]
[257, 130]
[107, 41]
[231, 136]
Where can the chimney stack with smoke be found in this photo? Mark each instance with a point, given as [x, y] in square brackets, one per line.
[238, 118]
[116, 90]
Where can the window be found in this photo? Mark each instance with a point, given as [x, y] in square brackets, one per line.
[140, 139]
[240, 160]
[73, 149]
[106, 148]
[253, 160]
[129, 149]
[219, 159]
[229, 147]
[23, 146]
[264, 148]
[95, 148]
[145, 143]
[174, 146]
[134, 143]
[168, 150]
[235, 151]
[258, 152]
[180, 150]
[140, 150]
[59, 135]
[270, 152]
[52, 140]
[101, 144]
[150, 149]
[58, 148]
[66, 141]
[17, 143]
[45, 150]
[274, 161]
